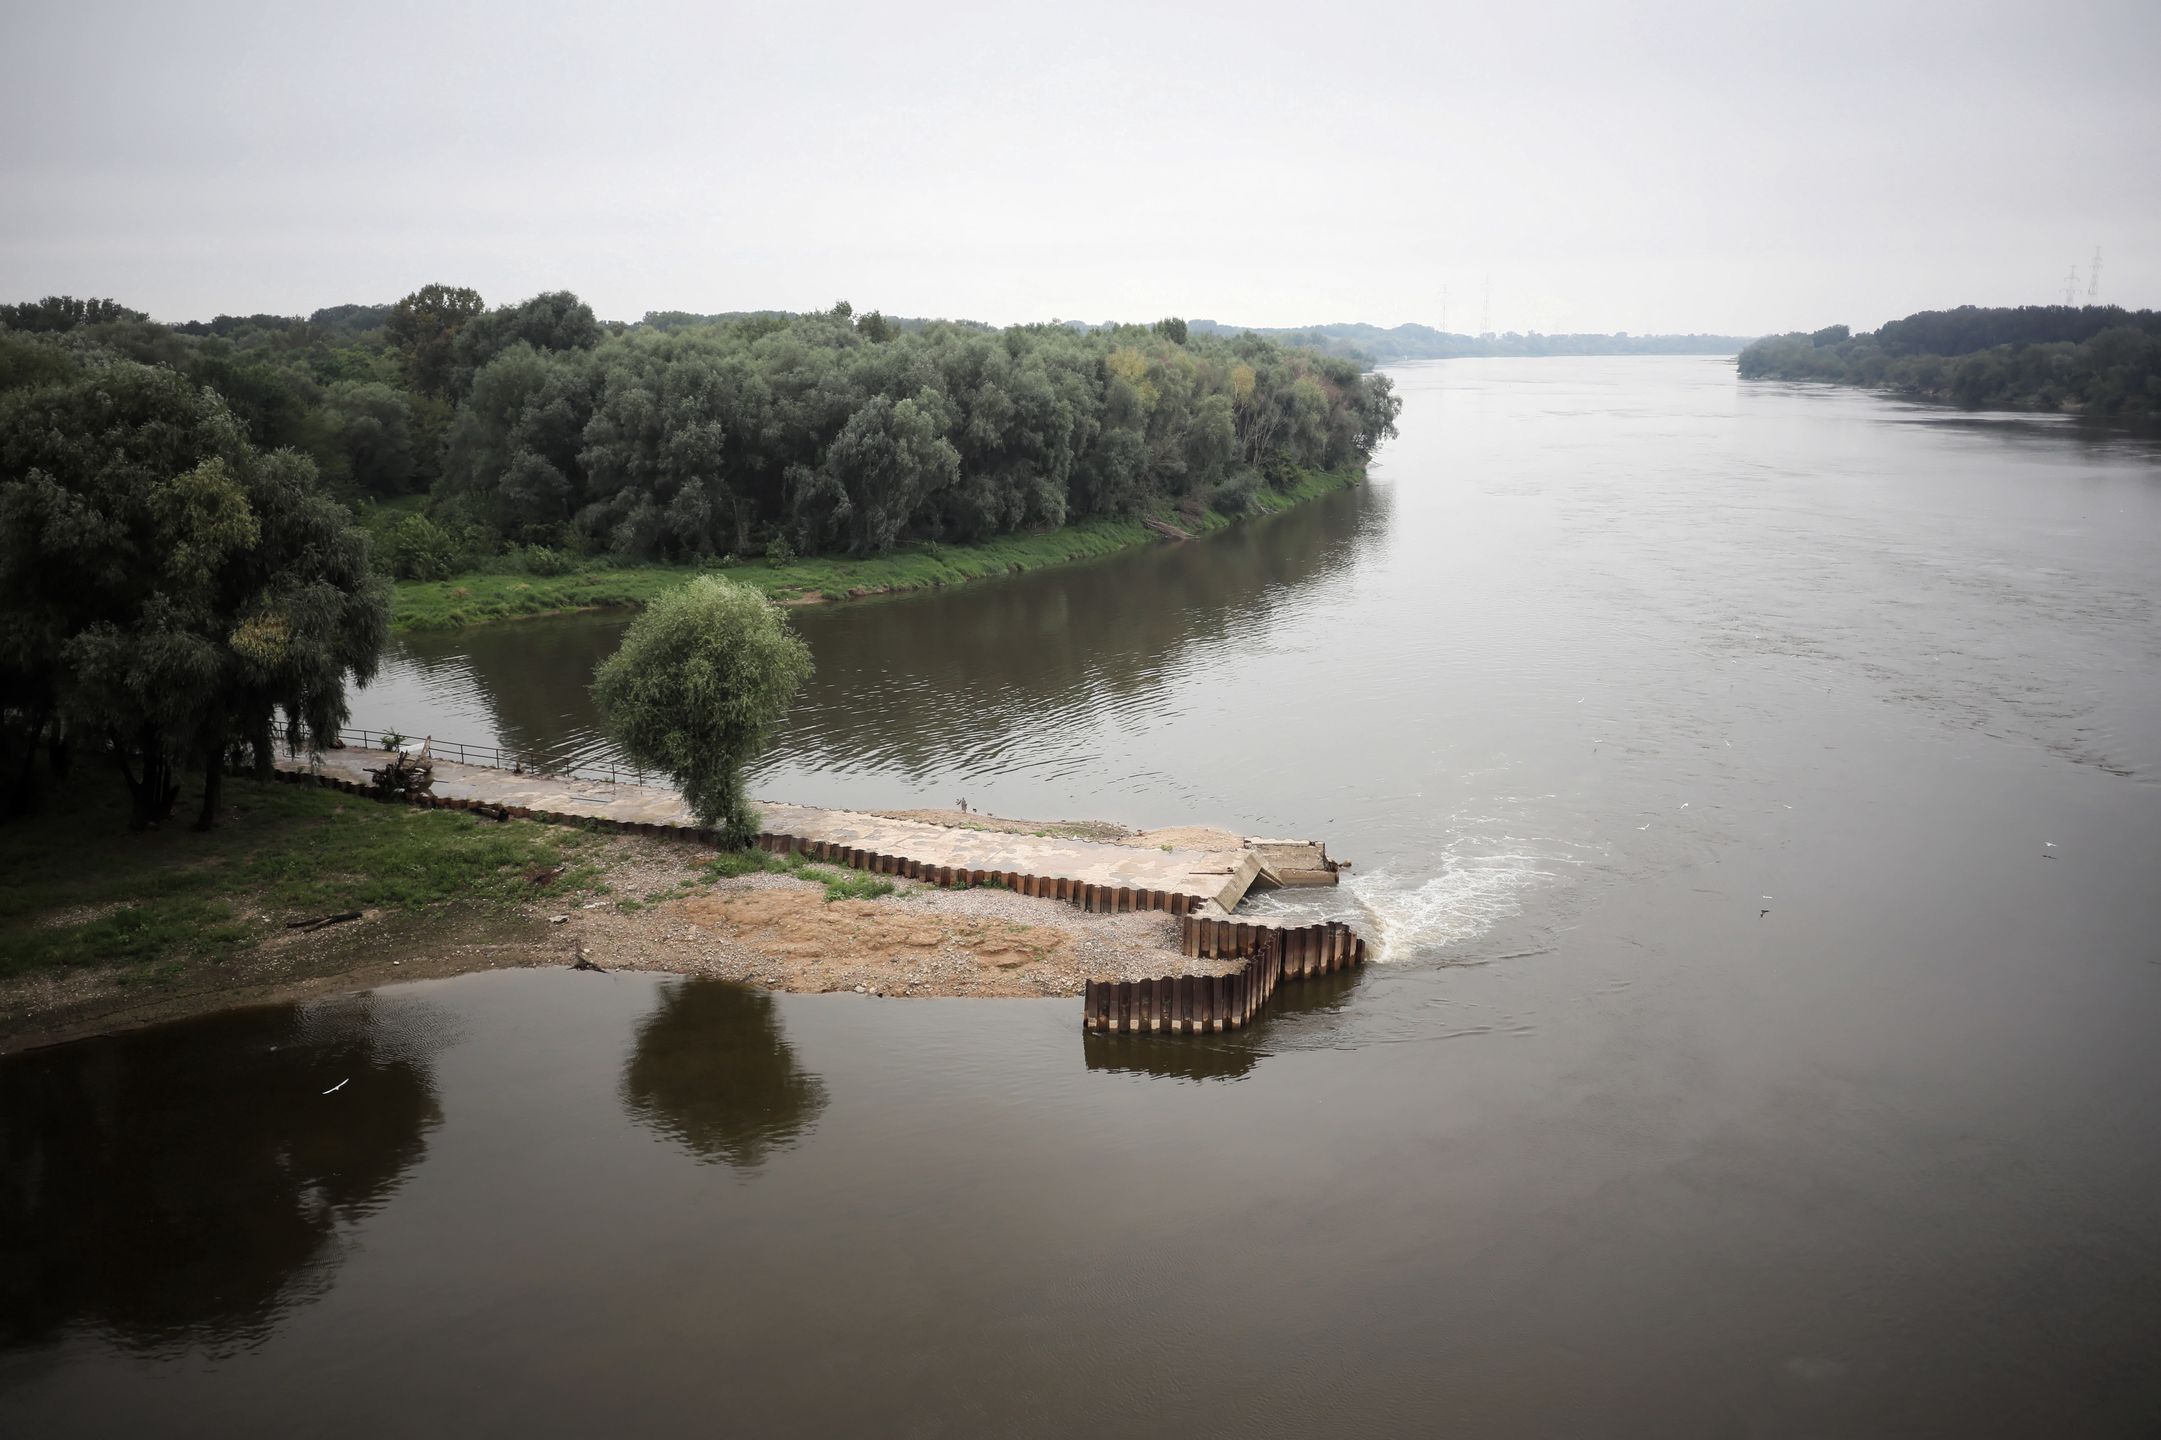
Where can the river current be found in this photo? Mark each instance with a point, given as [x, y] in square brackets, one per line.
[1754, 792]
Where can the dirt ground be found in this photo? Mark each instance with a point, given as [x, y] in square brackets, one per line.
[774, 931]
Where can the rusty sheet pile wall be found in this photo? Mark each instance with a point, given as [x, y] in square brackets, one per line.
[1202, 1004]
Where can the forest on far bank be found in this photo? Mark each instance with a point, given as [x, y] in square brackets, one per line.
[536, 434]
[2093, 359]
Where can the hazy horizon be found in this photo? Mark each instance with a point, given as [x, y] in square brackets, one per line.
[1686, 170]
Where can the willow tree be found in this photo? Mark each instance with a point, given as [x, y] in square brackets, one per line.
[700, 680]
[167, 587]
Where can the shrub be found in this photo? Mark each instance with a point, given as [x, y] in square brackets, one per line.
[542, 560]
[420, 549]
[1235, 495]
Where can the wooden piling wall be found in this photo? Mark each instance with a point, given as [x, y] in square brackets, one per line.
[1174, 1005]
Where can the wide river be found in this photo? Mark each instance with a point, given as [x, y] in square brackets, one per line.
[1755, 795]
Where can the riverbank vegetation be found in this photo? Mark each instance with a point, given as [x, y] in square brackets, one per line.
[534, 437]
[2093, 359]
[509, 590]
[156, 905]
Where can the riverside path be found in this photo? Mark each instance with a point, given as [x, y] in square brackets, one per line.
[1218, 876]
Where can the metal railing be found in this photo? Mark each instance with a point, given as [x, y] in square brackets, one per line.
[493, 757]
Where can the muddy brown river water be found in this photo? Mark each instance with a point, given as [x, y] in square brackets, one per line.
[1756, 798]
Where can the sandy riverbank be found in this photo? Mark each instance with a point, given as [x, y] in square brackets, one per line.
[652, 908]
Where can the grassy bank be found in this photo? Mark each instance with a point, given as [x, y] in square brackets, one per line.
[84, 893]
[478, 598]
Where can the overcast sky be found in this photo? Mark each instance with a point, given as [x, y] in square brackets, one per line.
[1720, 167]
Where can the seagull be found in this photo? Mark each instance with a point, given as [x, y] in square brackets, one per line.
[339, 1086]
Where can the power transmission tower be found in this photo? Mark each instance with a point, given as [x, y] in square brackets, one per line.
[2070, 287]
[1485, 316]
[2093, 278]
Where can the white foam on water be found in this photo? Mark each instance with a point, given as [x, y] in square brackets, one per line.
[1485, 881]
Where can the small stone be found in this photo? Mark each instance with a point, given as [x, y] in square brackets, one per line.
[557, 919]
[862, 989]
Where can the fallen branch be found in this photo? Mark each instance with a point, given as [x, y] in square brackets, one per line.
[319, 922]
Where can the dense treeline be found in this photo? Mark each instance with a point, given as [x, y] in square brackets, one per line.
[538, 433]
[2099, 359]
[1373, 345]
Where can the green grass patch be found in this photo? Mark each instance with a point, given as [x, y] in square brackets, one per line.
[839, 884]
[847, 884]
[507, 595]
[84, 891]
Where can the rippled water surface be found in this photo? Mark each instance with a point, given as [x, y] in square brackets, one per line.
[1753, 788]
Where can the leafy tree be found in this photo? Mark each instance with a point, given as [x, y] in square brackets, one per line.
[424, 327]
[27, 360]
[515, 442]
[557, 320]
[889, 457]
[373, 435]
[168, 587]
[702, 677]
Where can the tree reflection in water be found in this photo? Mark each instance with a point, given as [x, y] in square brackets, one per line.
[711, 1071]
[189, 1184]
